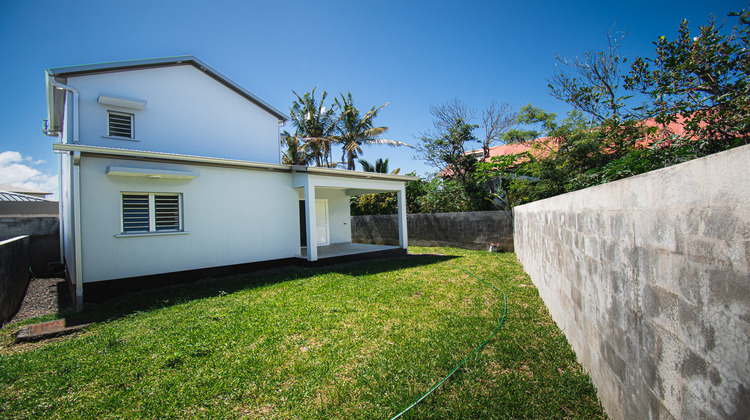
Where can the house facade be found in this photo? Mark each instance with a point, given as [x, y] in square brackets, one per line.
[167, 166]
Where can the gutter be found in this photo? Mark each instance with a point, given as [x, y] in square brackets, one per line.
[142, 154]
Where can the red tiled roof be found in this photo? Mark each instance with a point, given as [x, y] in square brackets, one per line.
[547, 144]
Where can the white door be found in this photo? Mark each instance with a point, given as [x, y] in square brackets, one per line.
[321, 216]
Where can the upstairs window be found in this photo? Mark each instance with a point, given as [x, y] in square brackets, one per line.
[120, 125]
[151, 212]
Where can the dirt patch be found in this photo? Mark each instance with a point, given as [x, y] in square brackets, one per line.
[44, 296]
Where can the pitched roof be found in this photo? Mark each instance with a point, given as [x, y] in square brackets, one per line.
[676, 128]
[507, 149]
[12, 196]
[165, 62]
[21, 190]
[547, 144]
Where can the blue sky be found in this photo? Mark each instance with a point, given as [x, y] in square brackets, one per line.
[413, 54]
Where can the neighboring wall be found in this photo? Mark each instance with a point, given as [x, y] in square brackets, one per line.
[14, 275]
[469, 230]
[44, 237]
[649, 279]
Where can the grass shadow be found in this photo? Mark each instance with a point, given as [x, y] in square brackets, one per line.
[165, 296]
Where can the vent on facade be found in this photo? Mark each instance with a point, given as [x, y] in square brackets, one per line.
[120, 125]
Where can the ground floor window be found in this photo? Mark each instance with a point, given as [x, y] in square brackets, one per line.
[151, 212]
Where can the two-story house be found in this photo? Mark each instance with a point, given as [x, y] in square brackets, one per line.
[167, 166]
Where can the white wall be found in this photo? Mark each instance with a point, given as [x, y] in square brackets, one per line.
[66, 212]
[339, 215]
[233, 216]
[188, 112]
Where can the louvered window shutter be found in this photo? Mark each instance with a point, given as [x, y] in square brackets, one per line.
[149, 212]
[166, 212]
[135, 217]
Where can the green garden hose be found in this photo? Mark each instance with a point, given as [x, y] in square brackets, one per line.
[505, 310]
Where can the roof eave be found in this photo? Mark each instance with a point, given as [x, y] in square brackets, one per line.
[310, 170]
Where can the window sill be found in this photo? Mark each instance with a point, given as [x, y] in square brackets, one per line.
[119, 138]
[133, 235]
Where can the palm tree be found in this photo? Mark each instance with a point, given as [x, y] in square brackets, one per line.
[296, 152]
[381, 166]
[315, 125]
[355, 130]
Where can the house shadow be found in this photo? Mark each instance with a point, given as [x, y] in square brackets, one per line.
[116, 305]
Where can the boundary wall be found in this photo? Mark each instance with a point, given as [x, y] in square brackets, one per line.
[649, 279]
[14, 275]
[468, 230]
[44, 233]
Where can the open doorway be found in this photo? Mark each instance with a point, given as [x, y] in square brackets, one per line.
[302, 224]
[321, 223]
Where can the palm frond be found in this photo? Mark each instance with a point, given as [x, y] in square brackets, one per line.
[387, 142]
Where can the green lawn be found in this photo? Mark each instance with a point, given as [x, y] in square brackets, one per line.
[354, 341]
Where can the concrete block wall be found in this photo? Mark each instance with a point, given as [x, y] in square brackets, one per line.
[649, 278]
[468, 230]
[14, 275]
[44, 237]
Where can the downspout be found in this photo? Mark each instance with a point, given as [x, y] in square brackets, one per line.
[75, 118]
[60, 201]
[75, 186]
[278, 142]
[77, 229]
[59, 135]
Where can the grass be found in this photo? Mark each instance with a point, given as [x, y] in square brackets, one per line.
[354, 341]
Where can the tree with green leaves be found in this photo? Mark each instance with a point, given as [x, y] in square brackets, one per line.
[315, 125]
[380, 203]
[593, 86]
[293, 151]
[701, 81]
[445, 148]
[380, 166]
[566, 149]
[497, 173]
[497, 120]
[355, 130]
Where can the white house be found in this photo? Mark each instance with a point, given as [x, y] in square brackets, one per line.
[167, 166]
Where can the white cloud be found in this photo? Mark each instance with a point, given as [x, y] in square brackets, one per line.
[9, 157]
[18, 171]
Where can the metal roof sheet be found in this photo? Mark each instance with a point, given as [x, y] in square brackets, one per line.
[11, 196]
[11, 188]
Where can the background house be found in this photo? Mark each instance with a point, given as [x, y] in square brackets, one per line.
[37, 217]
[168, 166]
[24, 191]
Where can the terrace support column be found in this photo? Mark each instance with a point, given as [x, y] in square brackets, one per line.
[310, 223]
[402, 239]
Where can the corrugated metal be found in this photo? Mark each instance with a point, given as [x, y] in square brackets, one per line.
[9, 196]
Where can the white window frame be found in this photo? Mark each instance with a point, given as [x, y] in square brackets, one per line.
[122, 114]
[152, 222]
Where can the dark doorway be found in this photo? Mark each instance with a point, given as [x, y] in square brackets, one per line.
[302, 224]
